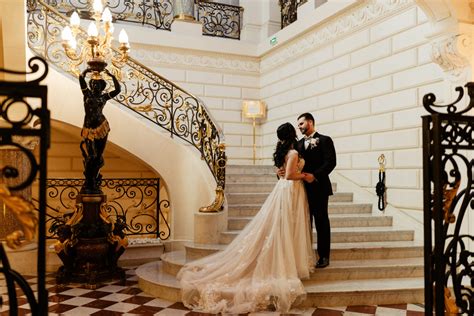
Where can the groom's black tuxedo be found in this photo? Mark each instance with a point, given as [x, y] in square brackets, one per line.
[320, 160]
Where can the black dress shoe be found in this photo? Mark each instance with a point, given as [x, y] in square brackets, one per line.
[322, 263]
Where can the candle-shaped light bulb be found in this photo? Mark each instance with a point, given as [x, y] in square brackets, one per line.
[106, 16]
[92, 30]
[72, 43]
[75, 20]
[97, 6]
[66, 34]
[123, 37]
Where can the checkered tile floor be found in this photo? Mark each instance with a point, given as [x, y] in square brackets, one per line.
[128, 299]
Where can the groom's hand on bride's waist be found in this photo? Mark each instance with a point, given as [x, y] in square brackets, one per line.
[308, 177]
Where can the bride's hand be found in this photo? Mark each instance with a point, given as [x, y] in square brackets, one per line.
[281, 172]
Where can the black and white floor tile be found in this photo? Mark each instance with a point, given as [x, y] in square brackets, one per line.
[128, 299]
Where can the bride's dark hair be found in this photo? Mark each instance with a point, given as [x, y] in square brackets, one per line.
[287, 139]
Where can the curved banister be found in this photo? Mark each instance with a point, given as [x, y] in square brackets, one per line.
[159, 100]
[217, 19]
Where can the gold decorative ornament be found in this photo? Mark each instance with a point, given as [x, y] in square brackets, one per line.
[450, 303]
[216, 205]
[24, 213]
[448, 197]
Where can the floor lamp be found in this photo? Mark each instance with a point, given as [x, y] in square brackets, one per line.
[253, 109]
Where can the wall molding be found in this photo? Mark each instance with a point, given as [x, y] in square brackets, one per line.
[158, 55]
[346, 23]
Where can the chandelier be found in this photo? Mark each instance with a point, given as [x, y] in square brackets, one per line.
[96, 50]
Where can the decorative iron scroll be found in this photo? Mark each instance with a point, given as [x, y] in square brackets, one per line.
[143, 91]
[288, 12]
[30, 98]
[448, 141]
[158, 14]
[218, 19]
[136, 200]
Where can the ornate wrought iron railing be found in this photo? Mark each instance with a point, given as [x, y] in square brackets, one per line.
[135, 200]
[158, 14]
[17, 134]
[288, 9]
[448, 141]
[218, 19]
[143, 91]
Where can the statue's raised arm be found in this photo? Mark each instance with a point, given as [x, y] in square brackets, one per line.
[117, 88]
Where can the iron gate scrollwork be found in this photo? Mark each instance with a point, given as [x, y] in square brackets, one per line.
[218, 19]
[135, 200]
[17, 133]
[448, 141]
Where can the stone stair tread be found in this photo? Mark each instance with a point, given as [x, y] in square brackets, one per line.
[266, 193]
[358, 215]
[355, 215]
[369, 285]
[178, 256]
[153, 273]
[342, 245]
[205, 246]
[377, 244]
[237, 205]
[342, 264]
[369, 229]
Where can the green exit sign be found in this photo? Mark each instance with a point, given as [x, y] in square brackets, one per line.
[273, 40]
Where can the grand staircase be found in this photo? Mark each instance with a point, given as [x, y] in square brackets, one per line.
[372, 262]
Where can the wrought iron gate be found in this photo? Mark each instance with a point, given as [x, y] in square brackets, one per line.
[448, 199]
[32, 127]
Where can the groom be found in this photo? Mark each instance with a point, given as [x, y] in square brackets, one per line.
[320, 159]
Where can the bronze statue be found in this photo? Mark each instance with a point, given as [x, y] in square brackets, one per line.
[95, 129]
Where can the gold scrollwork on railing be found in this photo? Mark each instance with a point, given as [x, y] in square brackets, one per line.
[448, 197]
[164, 103]
[24, 212]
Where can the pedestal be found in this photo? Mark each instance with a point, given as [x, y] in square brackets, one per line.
[91, 251]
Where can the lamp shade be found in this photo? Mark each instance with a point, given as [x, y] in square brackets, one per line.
[253, 109]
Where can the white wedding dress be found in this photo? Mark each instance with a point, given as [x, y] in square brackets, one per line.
[262, 267]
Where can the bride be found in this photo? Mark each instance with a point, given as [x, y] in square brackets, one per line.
[262, 267]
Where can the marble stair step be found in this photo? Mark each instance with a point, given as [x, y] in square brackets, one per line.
[339, 251]
[376, 250]
[365, 292]
[255, 187]
[368, 269]
[333, 208]
[348, 234]
[173, 261]
[255, 198]
[195, 250]
[337, 220]
[249, 169]
[156, 282]
[238, 178]
[337, 270]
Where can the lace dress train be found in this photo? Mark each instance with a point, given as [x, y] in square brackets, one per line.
[262, 267]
